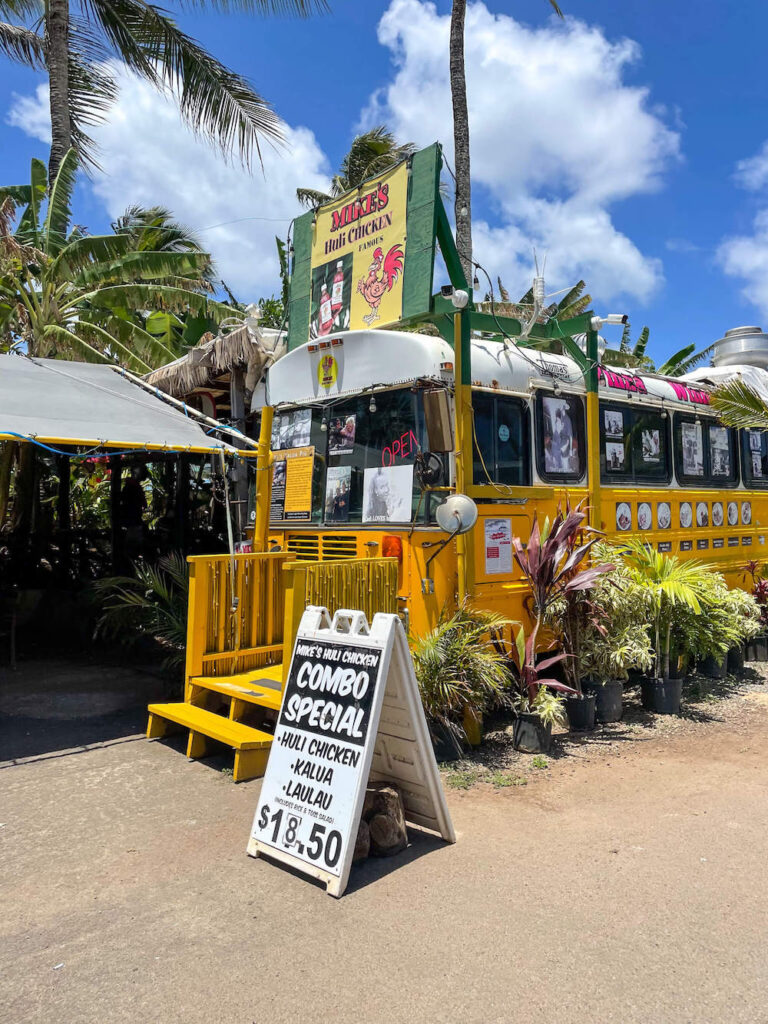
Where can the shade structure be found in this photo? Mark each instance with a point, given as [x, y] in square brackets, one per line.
[56, 401]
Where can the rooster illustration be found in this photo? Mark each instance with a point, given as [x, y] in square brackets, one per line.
[380, 279]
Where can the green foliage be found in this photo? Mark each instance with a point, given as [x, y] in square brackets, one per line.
[137, 297]
[614, 635]
[739, 405]
[153, 603]
[539, 761]
[272, 313]
[501, 780]
[548, 706]
[371, 153]
[457, 667]
[728, 618]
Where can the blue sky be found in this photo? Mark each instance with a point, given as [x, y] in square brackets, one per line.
[627, 143]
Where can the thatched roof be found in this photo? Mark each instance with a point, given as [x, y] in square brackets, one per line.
[213, 358]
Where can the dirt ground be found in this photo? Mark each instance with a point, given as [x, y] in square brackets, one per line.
[620, 879]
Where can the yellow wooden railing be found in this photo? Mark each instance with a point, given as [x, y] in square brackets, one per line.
[253, 623]
[234, 628]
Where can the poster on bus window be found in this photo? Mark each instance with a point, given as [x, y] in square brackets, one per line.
[614, 456]
[613, 420]
[337, 487]
[291, 497]
[720, 452]
[651, 446]
[341, 435]
[387, 494]
[560, 455]
[291, 429]
[693, 450]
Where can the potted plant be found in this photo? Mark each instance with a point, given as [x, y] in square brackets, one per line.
[537, 709]
[672, 586]
[729, 618]
[615, 639]
[757, 648]
[552, 565]
[461, 675]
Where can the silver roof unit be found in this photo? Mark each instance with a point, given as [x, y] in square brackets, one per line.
[742, 346]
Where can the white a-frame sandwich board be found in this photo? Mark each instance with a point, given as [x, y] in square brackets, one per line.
[351, 711]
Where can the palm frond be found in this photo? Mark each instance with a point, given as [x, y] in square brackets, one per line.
[28, 231]
[739, 405]
[310, 197]
[58, 214]
[22, 45]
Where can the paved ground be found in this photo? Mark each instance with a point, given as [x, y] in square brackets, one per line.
[625, 882]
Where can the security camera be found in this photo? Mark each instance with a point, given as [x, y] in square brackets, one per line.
[446, 290]
[613, 318]
[460, 298]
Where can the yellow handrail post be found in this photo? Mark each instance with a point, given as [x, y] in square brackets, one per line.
[295, 602]
[263, 480]
[197, 620]
[463, 434]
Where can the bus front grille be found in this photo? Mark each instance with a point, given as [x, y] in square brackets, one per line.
[338, 546]
[305, 547]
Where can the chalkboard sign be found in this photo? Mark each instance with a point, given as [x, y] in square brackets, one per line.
[351, 711]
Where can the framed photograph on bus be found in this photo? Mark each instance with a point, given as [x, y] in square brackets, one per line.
[560, 448]
[693, 449]
[733, 513]
[623, 516]
[686, 514]
[663, 515]
[341, 435]
[337, 488]
[717, 513]
[746, 513]
[387, 494]
[644, 516]
[614, 456]
[702, 513]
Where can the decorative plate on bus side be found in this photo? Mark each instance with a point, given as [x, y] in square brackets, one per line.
[746, 513]
[717, 513]
[733, 513]
[702, 513]
[623, 516]
[686, 514]
[644, 516]
[663, 515]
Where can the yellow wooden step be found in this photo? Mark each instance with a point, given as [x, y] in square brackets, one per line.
[264, 692]
[251, 745]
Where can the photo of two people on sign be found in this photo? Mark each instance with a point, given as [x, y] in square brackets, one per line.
[560, 448]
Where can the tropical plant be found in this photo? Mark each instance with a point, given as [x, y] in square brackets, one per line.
[685, 360]
[371, 153]
[151, 604]
[458, 668]
[532, 687]
[756, 574]
[634, 357]
[551, 564]
[614, 634]
[92, 297]
[463, 193]
[739, 405]
[728, 618]
[74, 41]
[673, 586]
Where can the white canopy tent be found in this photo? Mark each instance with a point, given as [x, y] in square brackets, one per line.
[92, 404]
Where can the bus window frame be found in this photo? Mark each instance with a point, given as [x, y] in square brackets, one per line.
[707, 479]
[749, 480]
[538, 438]
[633, 478]
[523, 405]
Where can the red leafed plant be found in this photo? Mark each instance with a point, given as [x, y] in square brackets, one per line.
[551, 564]
[759, 587]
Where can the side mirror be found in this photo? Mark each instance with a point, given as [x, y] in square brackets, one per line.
[437, 416]
[457, 514]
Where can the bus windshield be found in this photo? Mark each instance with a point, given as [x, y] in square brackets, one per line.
[367, 453]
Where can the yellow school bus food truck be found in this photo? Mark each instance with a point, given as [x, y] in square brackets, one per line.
[364, 454]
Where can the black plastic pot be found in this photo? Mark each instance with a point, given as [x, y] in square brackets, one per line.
[761, 648]
[662, 695]
[581, 712]
[712, 668]
[609, 699]
[447, 747]
[736, 658]
[531, 735]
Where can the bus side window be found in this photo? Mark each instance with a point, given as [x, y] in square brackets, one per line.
[754, 454]
[501, 440]
[560, 433]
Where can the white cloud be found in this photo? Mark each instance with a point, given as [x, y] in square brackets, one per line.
[150, 158]
[556, 137]
[752, 173]
[746, 257]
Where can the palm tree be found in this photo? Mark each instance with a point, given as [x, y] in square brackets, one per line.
[463, 197]
[74, 39]
[371, 153]
[633, 356]
[67, 293]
